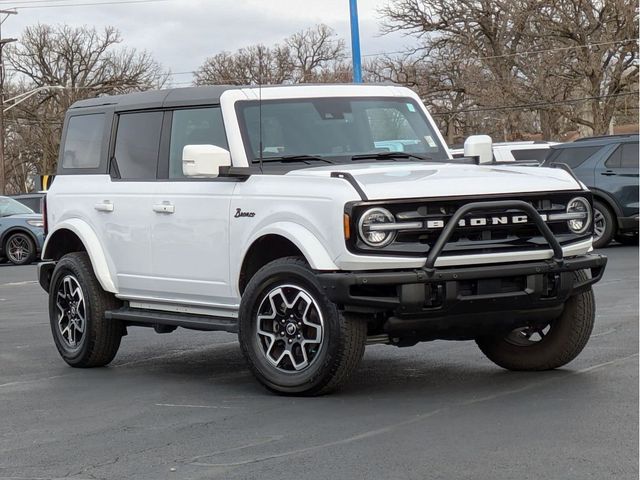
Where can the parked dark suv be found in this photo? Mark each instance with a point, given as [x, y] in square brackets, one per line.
[608, 165]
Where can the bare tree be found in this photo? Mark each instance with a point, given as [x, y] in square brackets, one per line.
[549, 55]
[85, 61]
[314, 52]
[311, 55]
[253, 65]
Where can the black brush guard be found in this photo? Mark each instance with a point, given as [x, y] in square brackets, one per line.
[452, 299]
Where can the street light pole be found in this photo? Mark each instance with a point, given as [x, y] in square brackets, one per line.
[3, 42]
[355, 42]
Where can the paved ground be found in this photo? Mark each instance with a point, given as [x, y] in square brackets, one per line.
[183, 406]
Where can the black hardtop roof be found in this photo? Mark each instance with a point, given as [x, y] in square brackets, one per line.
[598, 141]
[159, 98]
[204, 95]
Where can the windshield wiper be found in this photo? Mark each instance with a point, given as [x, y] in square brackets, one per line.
[295, 158]
[389, 155]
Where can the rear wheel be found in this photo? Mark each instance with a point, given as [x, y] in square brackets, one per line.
[293, 337]
[20, 249]
[603, 225]
[548, 346]
[77, 302]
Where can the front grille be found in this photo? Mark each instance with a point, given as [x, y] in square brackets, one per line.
[492, 237]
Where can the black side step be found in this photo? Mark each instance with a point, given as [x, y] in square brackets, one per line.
[152, 317]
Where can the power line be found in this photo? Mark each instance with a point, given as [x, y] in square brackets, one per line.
[95, 4]
[535, 105]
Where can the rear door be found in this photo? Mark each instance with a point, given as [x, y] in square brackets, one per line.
[125, 212]
[618, 175]
[190, 228]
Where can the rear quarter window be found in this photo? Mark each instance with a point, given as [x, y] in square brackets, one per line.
[83, 141]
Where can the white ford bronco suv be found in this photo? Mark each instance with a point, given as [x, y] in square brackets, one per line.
[312, 221]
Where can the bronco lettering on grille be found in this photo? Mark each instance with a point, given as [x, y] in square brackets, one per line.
[485, 221]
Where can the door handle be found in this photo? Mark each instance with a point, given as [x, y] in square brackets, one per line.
[164, 207]
[105, 206]
[608, 173]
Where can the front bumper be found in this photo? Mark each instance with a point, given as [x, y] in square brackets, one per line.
[460, 303]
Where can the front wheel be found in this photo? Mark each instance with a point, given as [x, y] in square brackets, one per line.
[293, 337]
[545, 347]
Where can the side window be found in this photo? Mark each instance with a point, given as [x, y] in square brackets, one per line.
[137, 146]
[197, 126]
[83, 141]
[614, 159]
[629, 155]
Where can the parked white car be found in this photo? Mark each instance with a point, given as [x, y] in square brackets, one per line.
[312, 220]
[525, 151]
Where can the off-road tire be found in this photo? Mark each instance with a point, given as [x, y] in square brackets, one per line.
[32, 252]
[101, 338]
[566, 338]
[343, 341]
[609, 222]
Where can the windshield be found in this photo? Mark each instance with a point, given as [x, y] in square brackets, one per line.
[8, 206]
[336, 129]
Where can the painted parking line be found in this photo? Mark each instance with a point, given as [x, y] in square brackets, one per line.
[17, 284]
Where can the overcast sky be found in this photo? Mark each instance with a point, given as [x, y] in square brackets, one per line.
[182, 33]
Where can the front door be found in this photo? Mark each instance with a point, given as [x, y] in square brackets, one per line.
[190, 229]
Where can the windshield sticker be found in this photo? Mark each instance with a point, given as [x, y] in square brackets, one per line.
[410, 107]
[430, 141]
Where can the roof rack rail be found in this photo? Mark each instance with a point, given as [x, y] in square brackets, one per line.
[605, 137]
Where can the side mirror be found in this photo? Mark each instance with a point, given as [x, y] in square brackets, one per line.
[204, 160]
[479, 146]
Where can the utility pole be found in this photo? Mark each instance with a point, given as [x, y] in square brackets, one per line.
[3, 42]
[355, 42]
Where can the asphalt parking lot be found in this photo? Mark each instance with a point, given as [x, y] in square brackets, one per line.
[184, 406]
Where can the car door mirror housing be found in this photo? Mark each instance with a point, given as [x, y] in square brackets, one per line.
[204, 160]
[479, 146]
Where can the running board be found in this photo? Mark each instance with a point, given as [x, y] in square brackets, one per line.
[151, 318]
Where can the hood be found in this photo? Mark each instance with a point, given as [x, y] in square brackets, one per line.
[390, 180]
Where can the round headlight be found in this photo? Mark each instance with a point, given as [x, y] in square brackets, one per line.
[371, 227]
[582, 210]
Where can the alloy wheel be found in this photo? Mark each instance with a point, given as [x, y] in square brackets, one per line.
[290, 328]
[527, 336]
[18, 249]
[599, 225]
[72, 311]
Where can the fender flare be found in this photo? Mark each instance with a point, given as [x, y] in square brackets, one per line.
[313, 250]
[608, 199]
[94, 249]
